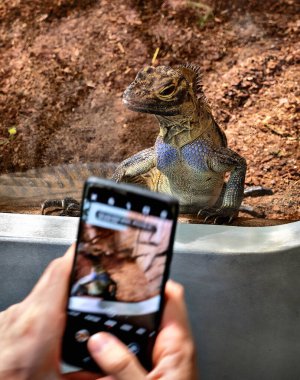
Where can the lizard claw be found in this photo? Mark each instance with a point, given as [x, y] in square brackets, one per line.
[224, 219]
[207, 213]
[206, 219]
[68, 206]
[222, 215]
[203, 212]
[216, 219]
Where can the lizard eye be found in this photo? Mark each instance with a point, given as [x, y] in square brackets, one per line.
[167, 91]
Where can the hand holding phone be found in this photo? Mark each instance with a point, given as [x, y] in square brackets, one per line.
[122, 260]
[31, 333]
[173, 353]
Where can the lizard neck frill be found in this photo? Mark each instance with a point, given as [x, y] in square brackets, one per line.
[180, 130]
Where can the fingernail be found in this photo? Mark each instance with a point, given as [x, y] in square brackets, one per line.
[99, 341]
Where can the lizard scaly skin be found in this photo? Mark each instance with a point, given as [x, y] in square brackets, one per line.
[190, 157]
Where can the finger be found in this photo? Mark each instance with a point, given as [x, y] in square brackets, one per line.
[170, 340]
[174, 355]
[175, 310]
[175, 335]
[114, 358]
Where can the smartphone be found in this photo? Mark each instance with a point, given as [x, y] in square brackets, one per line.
[122, 260]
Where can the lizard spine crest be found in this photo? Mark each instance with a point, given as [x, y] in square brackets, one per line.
[196, 79]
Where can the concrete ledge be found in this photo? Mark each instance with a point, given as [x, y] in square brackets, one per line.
[242, 288]
[194, 238]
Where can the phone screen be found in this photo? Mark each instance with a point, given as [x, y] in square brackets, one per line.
[122, 261]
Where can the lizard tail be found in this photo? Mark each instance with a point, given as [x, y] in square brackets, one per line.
[32, 187]
[257, 191]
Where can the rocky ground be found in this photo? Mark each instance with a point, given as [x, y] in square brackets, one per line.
[64, 65]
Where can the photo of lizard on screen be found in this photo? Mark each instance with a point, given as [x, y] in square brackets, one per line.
[120, 263]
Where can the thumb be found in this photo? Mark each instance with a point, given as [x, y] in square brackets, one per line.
[114, 358]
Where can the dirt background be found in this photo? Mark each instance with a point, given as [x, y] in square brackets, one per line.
[65, 63]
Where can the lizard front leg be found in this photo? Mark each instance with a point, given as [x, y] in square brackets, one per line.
[223, 160]
[131, 169]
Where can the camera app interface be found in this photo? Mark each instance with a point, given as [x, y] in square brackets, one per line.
[119, 270]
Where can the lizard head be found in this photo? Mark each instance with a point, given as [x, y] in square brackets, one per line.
[162, 90]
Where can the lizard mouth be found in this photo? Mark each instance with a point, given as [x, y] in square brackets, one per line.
[152, 109]
[134, 106]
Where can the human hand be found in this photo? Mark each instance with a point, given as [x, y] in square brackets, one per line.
[174, 351]
[31, 334]
[31, 331]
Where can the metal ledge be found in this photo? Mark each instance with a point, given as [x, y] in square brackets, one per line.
[192, 238]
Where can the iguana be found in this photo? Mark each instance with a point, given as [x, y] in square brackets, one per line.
[190, 157]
